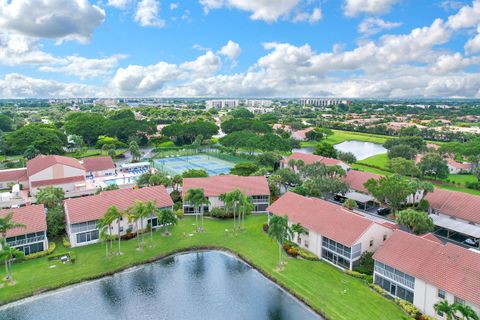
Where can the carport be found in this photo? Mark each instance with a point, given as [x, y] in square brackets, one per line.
[455, 227]
[362, 199]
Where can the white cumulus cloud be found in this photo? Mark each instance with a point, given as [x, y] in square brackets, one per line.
[353, 8]
[371, 26]
[231, 50]
[148, 14]
[54, 19]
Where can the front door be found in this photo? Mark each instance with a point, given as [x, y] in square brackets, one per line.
[26, 250]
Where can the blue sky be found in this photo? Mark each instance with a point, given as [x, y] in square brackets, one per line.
[242, 48]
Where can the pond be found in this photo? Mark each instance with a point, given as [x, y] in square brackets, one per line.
[361, 149]
[200, 285]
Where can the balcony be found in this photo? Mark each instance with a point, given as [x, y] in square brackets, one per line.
[26, 241]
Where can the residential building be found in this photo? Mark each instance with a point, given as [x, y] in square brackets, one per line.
[301, 134]
[59, 171]
[213, 187]
[222, 104]
[322, 102]
[455, 213]
[10, 177]
[99, 166]
[356, 181]
[334, 233]
[82, 214]
[455, 167]
[424, 271]
[258, 103]
[308, 158]
[33, 237]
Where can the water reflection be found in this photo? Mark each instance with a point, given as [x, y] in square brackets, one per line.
[203, 285]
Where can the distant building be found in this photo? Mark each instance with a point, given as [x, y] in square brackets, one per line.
[213, 187]
[222, 104]
[319, 102]
[258, 103]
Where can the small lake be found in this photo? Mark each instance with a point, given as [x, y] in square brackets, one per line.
[200, 285]
[361, 149]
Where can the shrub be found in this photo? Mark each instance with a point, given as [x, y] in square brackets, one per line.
[423, 205]
[425, 317]
[378, 289]
[176, 196]
[307, 255]
[366, 263]
[408, 307]
[293, 252]
[356, 274]
[66, 242]
[179, 213]
[286, 246]
[50, 250]
[128, 236]
[177, 206]
[265, 227]
[219, 213]
[350, 204]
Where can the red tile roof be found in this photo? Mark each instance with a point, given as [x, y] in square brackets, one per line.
[459, 165]
[356, 179]
[94, 207]
[98, 163]
[42, 162]
[328, 219]
[448, 267]
[58, 181]
[217, 185]
[308, 158]
[456, 204]
[301, 134]
[12, 174]
[33, 217]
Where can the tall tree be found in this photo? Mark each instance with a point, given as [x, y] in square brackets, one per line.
[9, 254]
[403, 167]
[326, 150]
[433, 165]
[196, 198]
[280, 232]
[151, 211]
[417, 222]
[166, 218]
[391, 190]
[50, 196]
[139, 211]
[116, 215]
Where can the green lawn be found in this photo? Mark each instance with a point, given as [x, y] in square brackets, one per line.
[378, 161]
[458, 188]
[324, 287]
[462, 178]
[365, 168]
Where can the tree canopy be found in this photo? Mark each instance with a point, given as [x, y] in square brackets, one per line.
[417, 222]
[433, 165]
[45, 138]
[186, 133]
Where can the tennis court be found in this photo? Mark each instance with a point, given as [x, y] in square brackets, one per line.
[177, 165]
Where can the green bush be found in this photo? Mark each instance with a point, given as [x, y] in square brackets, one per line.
[378, 289]
[356, 274]
[307, 255]
[66, 242]
[179, 213]
[408, 307]
[265, 227]
[50, 250]
[423, 205]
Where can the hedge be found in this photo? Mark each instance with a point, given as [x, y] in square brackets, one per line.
[51, 248]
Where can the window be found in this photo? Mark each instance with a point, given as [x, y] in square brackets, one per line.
[306, 243]
[371, 243]
[384, 237]
[441, 294]
[459, 301]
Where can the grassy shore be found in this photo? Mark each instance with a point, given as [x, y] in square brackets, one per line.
[322, 286]
[340, 136]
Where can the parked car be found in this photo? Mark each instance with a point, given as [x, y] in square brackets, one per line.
[384, 211]
[471, 242]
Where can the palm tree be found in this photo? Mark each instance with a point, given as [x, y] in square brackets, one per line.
[139, 210]
[196, 197]
[50, 196]
[166, 217]
[443, 307]
[133, 218]
[466, 311]
[112, 152]
[115, 214]
[9, 253]
[134, 151]
[279, 231]
[176, 181]
[7, 223]
[246, 205]
[107, 221]
[232, 201]
[102, 227]
[151, 210]
[298, 229]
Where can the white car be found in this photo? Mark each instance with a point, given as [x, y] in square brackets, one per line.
[471, 242]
